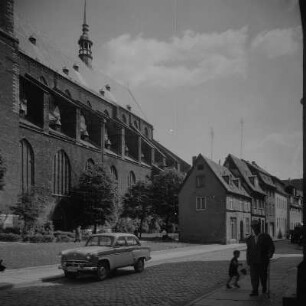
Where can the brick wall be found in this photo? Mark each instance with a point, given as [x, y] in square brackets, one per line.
[8, 106]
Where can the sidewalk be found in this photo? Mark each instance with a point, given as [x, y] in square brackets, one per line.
[283, 284]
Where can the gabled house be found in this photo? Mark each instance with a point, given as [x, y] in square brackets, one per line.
[214, 207]
[250, 182]
[281, 208]
[267, 185]
[294, 188]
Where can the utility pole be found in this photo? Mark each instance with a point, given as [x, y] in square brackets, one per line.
[211, 143]
[241, 139]
[301, 273]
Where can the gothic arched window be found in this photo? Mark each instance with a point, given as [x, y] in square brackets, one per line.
[27, 166]
[89, 164]
[131, 179]
[61, 173]
[114, 173]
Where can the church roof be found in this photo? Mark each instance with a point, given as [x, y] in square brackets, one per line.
[44, 52]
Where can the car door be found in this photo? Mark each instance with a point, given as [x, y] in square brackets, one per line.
[123, 254]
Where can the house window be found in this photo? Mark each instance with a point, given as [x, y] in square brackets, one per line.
[124, 118]
[247, 225]
[231, 203]
[200, 167]
[61, 174]
[27, 166]
[200, 203]
[233, 224]
[200, 181]
[131, 179]
[146, 131]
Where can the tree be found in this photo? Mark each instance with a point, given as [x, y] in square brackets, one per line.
[30, 206]
[2, 172]
[165, 188]
[137, 203]
[95, 197]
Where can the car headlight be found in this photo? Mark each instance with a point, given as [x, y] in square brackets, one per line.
[88, 256]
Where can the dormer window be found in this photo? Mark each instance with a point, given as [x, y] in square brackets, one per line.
[226, 178]
[66, 70]
[32, 39]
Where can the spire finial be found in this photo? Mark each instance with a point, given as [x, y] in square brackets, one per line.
[85, 43]
[84, 19]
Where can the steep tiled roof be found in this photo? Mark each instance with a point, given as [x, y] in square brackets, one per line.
[45, 53]
[245, 173]
[297, 183]
[263, 174]
[220, 172]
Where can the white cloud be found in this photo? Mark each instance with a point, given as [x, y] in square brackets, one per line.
[189, 60]
[277, 42]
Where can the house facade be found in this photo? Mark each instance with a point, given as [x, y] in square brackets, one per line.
[295, 202]
[213, 205]
[58, 116]
[267, 185]
[250, 182]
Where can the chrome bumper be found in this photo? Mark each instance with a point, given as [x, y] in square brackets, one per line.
[77, 268]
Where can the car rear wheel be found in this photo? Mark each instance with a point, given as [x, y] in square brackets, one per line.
[71, 275]
[139, 265]
[103, 270]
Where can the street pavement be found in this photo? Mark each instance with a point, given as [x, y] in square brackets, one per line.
[193, 275]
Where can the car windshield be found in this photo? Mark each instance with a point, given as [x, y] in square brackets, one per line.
[100, 241]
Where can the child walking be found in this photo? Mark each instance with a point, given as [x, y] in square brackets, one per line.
[233, 270]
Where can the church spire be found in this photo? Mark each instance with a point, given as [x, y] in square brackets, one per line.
[85, 53]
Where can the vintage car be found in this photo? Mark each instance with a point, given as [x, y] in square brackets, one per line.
[104, 253]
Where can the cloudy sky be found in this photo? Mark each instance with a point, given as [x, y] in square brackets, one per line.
[210, 75]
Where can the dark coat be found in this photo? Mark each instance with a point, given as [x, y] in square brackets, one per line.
[260, 252]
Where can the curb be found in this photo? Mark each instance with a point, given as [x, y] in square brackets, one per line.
[5, 286]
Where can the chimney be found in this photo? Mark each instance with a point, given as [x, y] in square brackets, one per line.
[129, 107]
[102, 92]
[193, 160]
[107, 87]
[7, 16]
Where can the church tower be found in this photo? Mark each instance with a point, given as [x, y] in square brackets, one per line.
[85, 53]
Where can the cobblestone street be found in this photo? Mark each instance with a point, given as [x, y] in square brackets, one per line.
[176, 281]
[166, 284]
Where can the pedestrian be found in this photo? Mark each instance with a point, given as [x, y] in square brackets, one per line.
[78, 234]
[233, 270]
[260, 249]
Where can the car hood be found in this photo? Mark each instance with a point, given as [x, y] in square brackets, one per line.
[84, 251]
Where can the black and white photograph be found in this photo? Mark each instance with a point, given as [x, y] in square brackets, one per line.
[152, 152]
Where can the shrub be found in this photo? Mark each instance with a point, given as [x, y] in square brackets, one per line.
[38, 238]
[62, 236]
[9, 237]
[11, 230]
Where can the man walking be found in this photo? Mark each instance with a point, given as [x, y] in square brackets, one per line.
[260, 248]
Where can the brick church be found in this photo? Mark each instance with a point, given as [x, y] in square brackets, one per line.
[58, 115]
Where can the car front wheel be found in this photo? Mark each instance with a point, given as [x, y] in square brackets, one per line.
[139, 266]
[103, 270]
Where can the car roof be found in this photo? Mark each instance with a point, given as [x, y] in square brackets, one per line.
[114, 234]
